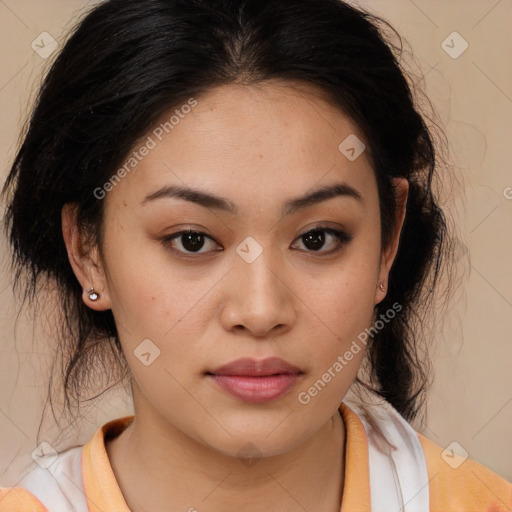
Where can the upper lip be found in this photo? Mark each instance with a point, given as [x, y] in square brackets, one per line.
[256, 367]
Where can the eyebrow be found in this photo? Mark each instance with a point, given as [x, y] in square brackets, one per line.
[290, 206]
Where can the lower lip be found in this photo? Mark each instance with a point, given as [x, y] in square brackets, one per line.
[256, 389]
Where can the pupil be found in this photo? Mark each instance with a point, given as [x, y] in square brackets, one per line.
[314, 238]
[193, 241]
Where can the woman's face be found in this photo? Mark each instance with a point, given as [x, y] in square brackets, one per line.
[253, 284]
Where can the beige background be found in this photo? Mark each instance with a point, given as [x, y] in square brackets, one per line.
[471, 400]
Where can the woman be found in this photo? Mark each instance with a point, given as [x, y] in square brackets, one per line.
[234, 202]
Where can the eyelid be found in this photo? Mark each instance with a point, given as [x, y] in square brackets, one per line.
[340, 234]
[189, 255]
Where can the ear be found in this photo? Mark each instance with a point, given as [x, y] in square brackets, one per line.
[401, 188]
[85, 259]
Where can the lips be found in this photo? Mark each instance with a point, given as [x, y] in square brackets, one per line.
[256, 368]
[256, 381]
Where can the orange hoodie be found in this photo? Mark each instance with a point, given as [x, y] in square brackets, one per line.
[470, 487]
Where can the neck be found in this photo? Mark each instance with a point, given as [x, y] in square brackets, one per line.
[160, 469]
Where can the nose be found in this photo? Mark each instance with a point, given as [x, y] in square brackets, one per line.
[260, 297]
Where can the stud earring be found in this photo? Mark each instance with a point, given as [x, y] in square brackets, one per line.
[382, 287]
[93, 295]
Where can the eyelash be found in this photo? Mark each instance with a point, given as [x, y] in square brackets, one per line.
[342, 237]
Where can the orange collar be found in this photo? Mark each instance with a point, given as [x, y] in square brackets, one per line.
[103, 492]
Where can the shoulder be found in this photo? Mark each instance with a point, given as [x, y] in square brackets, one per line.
[17, 499]
[43, 487]
[457, 483]
[55, 481]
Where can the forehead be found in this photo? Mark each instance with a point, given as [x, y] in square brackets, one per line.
[251, 143]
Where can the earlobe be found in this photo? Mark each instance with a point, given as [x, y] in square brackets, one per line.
[85, 261]
[401, 187]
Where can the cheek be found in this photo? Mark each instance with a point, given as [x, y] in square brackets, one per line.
[343, 310]
[344, 306]
[157, 299]
[142, 284]
[344, 294]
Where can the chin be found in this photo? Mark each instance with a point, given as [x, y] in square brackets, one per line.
[255, 444]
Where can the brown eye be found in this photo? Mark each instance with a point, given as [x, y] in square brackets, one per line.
[315, 239]
[188, 241]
